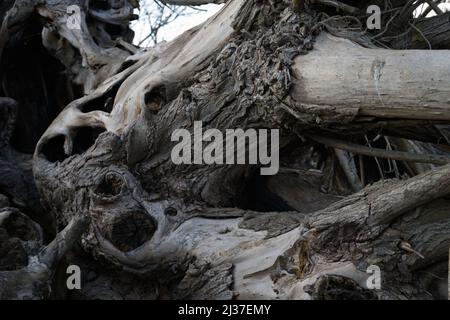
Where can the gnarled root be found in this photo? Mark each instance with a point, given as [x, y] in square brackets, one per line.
[27, 266]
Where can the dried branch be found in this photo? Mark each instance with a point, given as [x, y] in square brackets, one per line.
[191, 2]
[339, 5]
[348, 165]
[387, 154]
[434, 6]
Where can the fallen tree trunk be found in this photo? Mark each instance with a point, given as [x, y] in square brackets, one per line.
[394, 84]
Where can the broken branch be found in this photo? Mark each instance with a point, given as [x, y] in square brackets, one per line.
[381, 153]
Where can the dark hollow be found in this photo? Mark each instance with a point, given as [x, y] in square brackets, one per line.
[131, 230]
[110, 186]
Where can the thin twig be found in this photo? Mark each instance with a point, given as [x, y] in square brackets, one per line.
[339, 5]
[434, 6]
[377, 161]
[421, 33]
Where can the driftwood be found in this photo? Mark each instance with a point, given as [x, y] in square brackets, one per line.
[103, 166]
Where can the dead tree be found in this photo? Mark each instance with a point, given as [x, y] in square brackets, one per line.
[364, 178]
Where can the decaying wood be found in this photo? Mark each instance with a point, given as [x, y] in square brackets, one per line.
[428, 32]
[32, 279]
[104, 171]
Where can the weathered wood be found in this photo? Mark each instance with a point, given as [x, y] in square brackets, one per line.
[433, 31]
[252, 65]
[396, 155]
[409, 84]
[32, 280]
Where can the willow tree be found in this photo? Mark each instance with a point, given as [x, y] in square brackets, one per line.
[362, 114]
